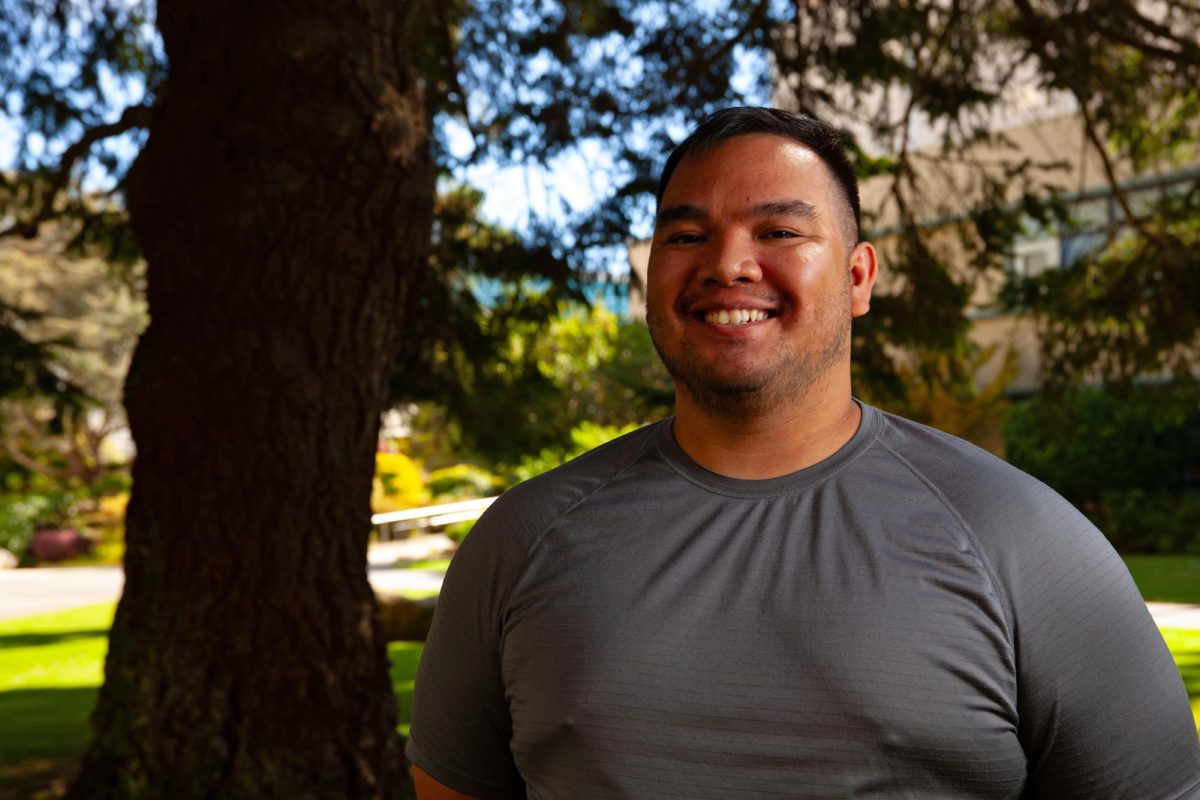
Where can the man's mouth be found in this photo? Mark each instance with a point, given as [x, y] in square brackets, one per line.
[734, 316]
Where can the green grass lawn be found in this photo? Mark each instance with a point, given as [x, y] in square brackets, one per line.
[1185, 647]
[439, 564]
[51, 668]
[1173, 579]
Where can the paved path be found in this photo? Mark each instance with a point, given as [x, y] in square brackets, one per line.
[37, 591]
[24, 592]
[1175, 615]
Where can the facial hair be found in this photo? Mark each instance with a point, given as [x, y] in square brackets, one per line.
[783, 380]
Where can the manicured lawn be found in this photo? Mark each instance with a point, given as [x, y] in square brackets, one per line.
[1173, 579]
[1185, 646]
[439, 564]
[51, 667]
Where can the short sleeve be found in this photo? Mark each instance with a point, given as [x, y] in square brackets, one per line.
[1103, 711]
[461, 725]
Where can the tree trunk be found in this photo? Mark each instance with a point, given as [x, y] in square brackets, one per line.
[283, 202]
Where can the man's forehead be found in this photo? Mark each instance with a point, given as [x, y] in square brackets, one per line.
[768, 144]
[759, 156]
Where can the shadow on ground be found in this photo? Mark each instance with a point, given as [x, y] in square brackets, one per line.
[44, 723]
[8, 640]
[1188, 662]
[38, 779]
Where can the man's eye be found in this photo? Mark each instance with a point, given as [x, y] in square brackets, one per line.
[779, 234]
[684, 238]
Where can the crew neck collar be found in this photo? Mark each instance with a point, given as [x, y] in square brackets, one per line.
[681, 462]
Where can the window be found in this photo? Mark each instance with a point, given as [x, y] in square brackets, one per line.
[1029, 258]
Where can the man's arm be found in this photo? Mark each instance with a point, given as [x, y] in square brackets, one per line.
[461, 726]
[1102, 710]
[429, 789]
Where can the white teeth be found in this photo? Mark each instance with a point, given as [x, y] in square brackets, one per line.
[737, 316]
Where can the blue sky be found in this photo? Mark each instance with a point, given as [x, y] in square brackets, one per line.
[514, 195]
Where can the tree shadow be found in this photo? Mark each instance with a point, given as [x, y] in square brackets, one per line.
[45, 723]
[13, 640]
[1188, 662]
[39, 778]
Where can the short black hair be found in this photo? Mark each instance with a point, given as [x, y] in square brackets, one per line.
[815, 134]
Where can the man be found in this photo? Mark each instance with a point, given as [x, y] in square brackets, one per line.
[781, 592]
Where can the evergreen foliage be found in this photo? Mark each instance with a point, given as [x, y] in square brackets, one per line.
[617, 82]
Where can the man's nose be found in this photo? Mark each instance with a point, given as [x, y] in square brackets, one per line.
[732, 261]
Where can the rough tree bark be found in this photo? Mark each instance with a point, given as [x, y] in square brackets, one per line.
[283, 202]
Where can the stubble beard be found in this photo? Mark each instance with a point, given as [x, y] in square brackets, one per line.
[783, 380]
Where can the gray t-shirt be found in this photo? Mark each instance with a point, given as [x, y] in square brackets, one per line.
[910, 618]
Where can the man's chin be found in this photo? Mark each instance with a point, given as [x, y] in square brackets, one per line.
[728, 398]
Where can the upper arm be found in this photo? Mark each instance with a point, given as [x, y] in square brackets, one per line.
[461, 725]
[1103, 710]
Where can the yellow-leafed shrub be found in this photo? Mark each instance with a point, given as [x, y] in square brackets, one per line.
[399, 483]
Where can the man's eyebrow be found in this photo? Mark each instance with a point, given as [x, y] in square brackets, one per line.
[678, 213]
[784, 208]
[772, 208]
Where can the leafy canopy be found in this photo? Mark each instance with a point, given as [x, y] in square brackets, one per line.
[923, 90]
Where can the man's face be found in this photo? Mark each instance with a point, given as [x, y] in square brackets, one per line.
[752, 283]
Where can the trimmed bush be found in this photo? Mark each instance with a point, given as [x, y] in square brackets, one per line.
[1140, 521]
[463, 480]
[1130, 461]
[398, 483]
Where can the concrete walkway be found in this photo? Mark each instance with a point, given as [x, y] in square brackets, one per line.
[1175, 615]
[24, 592]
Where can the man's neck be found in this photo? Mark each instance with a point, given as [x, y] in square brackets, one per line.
[780, 442]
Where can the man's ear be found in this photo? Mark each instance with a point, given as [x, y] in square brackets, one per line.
[864, 268]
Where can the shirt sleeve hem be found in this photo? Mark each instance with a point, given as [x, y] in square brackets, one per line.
[456, 780]
[1192, 792]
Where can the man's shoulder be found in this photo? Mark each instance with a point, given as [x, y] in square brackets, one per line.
[974, 482]
[929, 449]
[535, 503]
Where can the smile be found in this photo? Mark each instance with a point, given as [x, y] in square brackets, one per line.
[735, 316]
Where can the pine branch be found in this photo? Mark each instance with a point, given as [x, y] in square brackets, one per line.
[131, 118]
[1036, 27]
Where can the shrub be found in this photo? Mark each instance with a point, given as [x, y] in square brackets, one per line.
[22, 512]
[1129, 461]
[1140, 521]
[398, 483]
[459, 530]
[1092, 441]
[463, 480]
[584, 436]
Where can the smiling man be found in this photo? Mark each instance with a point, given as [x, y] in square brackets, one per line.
[781, 592]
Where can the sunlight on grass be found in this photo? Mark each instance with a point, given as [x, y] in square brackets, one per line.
[439, 564]
[1185, 647]
[53, 665]
[404, 657]
[51, 668]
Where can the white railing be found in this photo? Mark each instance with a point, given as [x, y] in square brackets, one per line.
[439, 516]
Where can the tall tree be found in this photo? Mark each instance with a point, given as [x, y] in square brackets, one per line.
[283, 202]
